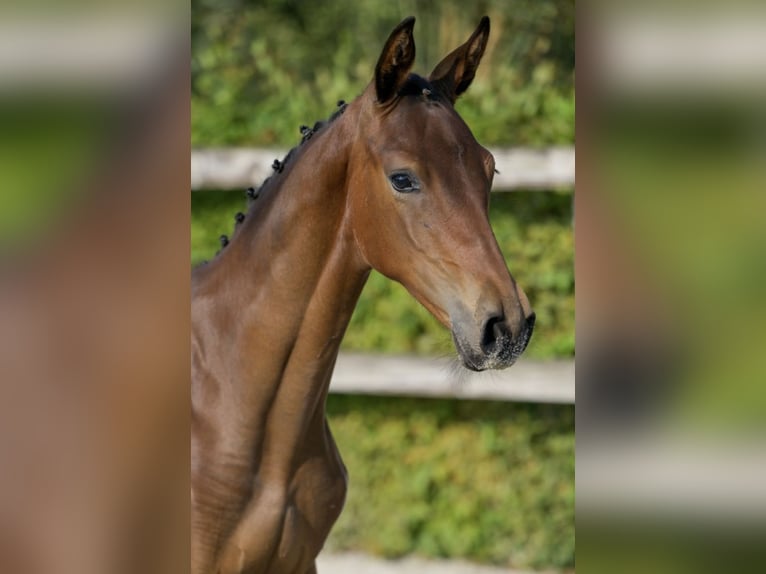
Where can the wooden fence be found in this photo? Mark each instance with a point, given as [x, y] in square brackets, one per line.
[526, 381]
[520, 168]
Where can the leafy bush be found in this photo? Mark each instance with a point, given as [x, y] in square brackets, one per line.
[212, 216]
[260, 69]
[534, 230]
[484, 481]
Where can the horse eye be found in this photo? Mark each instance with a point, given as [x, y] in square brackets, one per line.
[403, 182]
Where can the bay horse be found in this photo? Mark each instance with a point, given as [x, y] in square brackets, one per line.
[396, 182]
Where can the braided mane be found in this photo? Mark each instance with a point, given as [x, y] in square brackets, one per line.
[252, 193]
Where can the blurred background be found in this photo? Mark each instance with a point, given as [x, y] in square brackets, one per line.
[487, 481]
[94, 287]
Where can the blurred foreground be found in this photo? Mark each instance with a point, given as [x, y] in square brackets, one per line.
[94, 203]
[671, 277]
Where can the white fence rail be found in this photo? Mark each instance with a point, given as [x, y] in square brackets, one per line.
[520, 168]
[526, 381]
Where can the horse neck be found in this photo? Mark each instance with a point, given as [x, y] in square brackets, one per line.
[284, 289]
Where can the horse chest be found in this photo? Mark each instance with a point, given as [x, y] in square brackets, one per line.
[282, 530]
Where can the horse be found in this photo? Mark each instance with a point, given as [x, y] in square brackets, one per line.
[395, 181]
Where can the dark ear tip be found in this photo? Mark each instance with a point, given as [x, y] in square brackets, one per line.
[484, 25]
[407, 24]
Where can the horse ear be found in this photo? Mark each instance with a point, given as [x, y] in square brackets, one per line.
[395, 61]
[454, 74]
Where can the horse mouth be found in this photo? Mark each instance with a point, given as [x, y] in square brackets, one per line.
[502, 357]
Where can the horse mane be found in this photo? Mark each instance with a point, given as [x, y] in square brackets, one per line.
[252, 193]
[420, 86]
[306, 134]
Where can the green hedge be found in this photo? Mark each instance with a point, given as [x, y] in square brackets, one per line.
[261, 69]
[483, 481]
[534, 230]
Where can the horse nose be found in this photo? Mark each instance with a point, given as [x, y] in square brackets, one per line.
[495, 333]
[497, 336]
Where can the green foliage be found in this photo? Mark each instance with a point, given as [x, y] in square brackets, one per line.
[535, 115]
[212, 216]
[484, 481]
[536, 236]
[262, 68]
[534, 230]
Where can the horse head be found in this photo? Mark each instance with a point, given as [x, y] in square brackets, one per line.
[418, 201]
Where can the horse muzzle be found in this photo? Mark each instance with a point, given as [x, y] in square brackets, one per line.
[496, 346]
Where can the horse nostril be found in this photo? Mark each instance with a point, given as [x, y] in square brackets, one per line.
[530, 324]
[494, 329]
